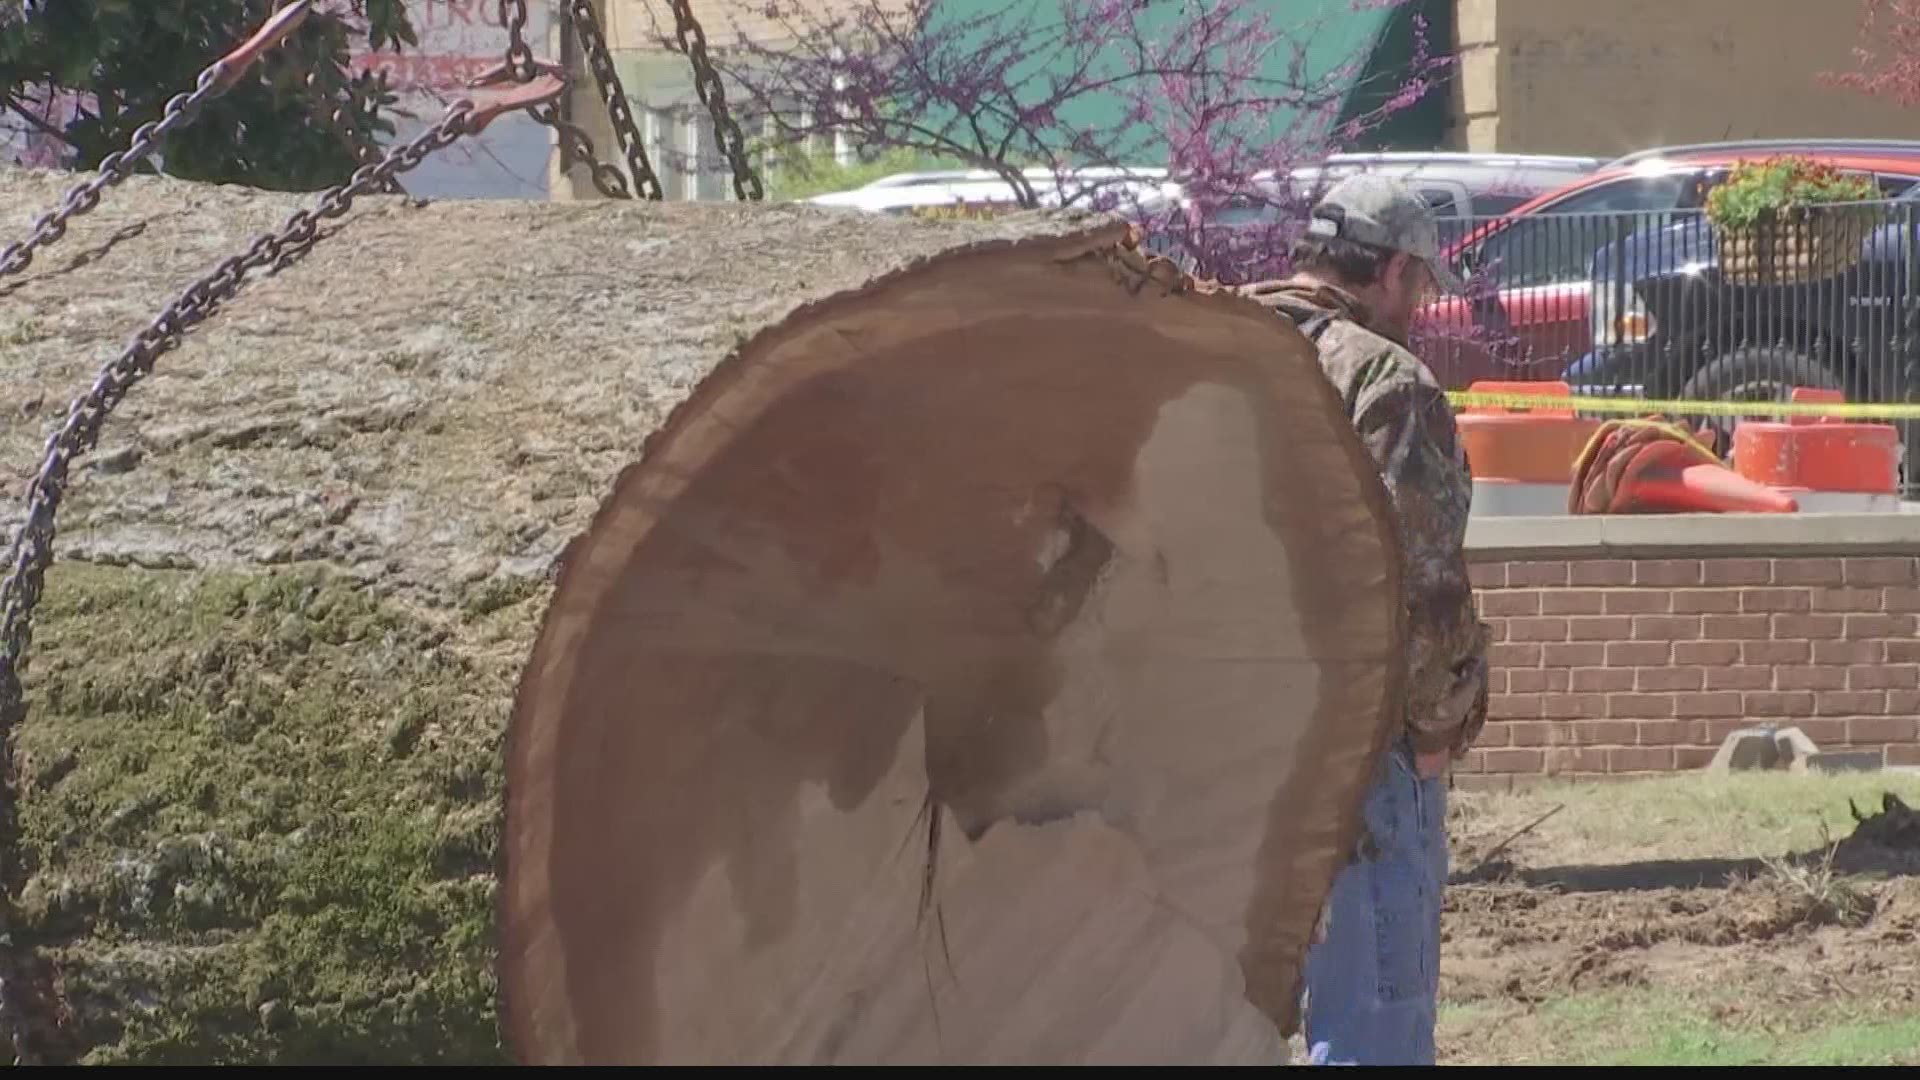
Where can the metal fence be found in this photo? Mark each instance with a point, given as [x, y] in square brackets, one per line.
[1666, 306]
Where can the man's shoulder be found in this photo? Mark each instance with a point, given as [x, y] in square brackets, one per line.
[1359, 360]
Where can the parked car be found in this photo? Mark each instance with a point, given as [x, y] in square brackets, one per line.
[1668, 323]
[1460, 187]
[983, 189]
[1529, 313]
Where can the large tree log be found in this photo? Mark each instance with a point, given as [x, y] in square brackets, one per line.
[966, 643]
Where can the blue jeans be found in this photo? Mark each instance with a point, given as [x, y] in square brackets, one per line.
[1373, 985]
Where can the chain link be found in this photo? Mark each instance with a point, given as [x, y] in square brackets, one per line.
[180, 111]
[513, 15]
[586, 27]
[713, 94]
[575, 144]
[32, 548]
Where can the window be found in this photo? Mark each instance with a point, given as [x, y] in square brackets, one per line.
[1555, 245]
[1492, 205]
[1892, 186]
[1440, 201]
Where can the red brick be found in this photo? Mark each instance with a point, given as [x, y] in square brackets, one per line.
[1706, 652]
[1576, 654]
[1859, 626]
[1884, 677]
[1500, 734]
[1902, 599]
[1515, 761]
[1576, 759]
[1509, 602]
[1602, 679]
[1870, 651]
[1640, 706]
[1826, 571]
[1810, 678]
[1668, 573]
[1666, 627]
[1473, 761]
[1669, 678]
[1601, 572]
[1716, 731]
[1530, 732]
[1572, 602]
[1848, 599]
[1775, 652]
[1514, 656]
[1903, 652]
[1638, 601]
[1737, 572]
[1483, 784]
[1772, 703]
[1639, 653]
[1496, 631]
[1605, 732]
[1898, 570]
[1825, 732]
[1599, 628]
[1497, 680]
[1693, 757]
[1513, 706]
[1669, 732]
[1850, 703]
[1536, 629]
[1791, 626]
[1739, 677]
[1903, 756]
[1772, 600]
[1487, 575]
[1705, 601]
[1626, 759]
[1536, 574]
[1532, 681]
[1707, 705]
[1865, 730]
[1737, 627]
[1573, 706]
[1903, 703]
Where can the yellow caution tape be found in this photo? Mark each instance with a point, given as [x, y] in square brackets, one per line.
[1467, 399]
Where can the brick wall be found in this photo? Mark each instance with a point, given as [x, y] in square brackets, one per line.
[1607, 667]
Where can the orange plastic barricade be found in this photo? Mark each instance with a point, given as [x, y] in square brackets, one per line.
[1522, 461]
[1825, 463]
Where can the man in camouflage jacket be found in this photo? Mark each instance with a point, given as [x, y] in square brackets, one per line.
[1367, 262]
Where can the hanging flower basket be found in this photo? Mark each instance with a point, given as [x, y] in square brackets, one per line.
[1786, 221]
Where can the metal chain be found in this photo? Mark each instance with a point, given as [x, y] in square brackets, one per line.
[179, 112]
[578, 145]
[32, 549]
[586, 27]
[713, 94]
[513, 15]
[575, 143]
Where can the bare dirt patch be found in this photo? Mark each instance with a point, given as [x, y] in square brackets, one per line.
[1620, 899]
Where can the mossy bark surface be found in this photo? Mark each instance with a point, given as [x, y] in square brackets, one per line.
[301, 574]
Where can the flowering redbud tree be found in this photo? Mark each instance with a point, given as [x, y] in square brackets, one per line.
[1187, 116]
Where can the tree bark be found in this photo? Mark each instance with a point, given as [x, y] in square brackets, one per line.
[717, 550]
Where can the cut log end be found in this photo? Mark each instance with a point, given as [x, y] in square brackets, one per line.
[986, 666]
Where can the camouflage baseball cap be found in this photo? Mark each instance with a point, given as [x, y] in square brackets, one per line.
[1381, 212]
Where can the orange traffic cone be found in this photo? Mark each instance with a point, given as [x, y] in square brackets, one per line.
[1670, 477]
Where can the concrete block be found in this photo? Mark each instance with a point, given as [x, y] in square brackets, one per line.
[1746, 749]
[1794, 745]
[1839, 761]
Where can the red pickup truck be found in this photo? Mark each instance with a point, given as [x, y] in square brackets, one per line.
[1529, 311]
